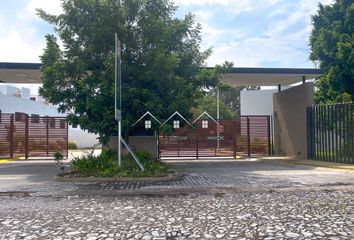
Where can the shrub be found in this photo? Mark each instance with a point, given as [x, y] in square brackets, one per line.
[106, 165]
[58, 158]
[72, 145]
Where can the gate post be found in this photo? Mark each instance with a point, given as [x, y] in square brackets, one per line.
[158, 145]
[26, 136]
[178, 145]
[248, 137]
[197, 141]
[234, 136]
[11, 136]
[47, 134]
[67, 139]
[268, 132]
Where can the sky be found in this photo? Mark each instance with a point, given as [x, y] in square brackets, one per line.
[249, 33]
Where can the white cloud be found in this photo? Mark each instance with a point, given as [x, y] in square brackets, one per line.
[203, 16]
[14, 47]
[285, 44]
[23, 42]
[52, 6]
[231, 7]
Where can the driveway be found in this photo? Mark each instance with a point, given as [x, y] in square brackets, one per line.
[259, 214]
[36, 177]
[270, 173]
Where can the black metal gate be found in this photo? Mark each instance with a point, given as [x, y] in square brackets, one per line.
[330, 130]
[244, 136]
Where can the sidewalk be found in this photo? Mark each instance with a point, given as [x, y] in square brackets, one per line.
[200, 177]
[307, 162]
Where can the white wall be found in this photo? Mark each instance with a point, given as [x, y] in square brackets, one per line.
[11, 104]
[257, 102]
[82, 138]
[25, 93]
[9, 90]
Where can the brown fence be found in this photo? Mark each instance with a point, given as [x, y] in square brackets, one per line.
[244, 136]
[32, 136]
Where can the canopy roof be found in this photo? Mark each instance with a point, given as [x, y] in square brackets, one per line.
[269, 76]
[31, 73]
[20, 72]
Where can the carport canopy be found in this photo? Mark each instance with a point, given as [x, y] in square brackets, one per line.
[20, 73]
[269, 76]
[31, 73]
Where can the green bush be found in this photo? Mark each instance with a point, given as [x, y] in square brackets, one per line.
[106, 165]
[58, 158]
[72, 145]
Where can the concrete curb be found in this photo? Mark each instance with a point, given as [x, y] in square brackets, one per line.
[313, 163]
[122, 179]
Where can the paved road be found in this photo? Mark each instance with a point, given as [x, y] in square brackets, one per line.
[291, 206]
[36, 176]
[267, 171]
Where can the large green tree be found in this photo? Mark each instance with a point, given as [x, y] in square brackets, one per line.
[161, 62]
[332, 46]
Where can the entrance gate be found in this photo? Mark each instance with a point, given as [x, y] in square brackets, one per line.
[32, 136]
[244, 136]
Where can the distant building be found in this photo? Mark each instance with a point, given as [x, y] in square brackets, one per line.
[13, 99]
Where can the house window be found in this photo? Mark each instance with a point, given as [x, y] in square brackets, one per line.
[147, 124]
[204, 124]
[176, 124]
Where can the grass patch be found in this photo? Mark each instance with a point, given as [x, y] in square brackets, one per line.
[72, 145]
[106, 165]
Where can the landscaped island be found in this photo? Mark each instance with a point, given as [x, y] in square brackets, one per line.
[105, 165]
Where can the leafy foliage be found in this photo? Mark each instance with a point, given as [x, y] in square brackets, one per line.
[161, 60]
[58, 158]
[332, 46]
[72, 145]
[105, 165]
[208, 103]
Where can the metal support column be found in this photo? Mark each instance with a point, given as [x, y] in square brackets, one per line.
[197, 141]
[47, 134]
[26, 136]
[248, 137]
[11, 136]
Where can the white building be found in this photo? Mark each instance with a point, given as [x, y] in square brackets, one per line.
[13, 99]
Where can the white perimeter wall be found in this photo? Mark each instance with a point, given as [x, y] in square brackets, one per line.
[257, 102]
[11, 104]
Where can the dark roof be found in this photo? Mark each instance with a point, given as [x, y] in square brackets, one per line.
[36, 66]
[278, 70]
[12, 65]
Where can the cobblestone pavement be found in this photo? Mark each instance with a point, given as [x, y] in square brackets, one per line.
[274, 215]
